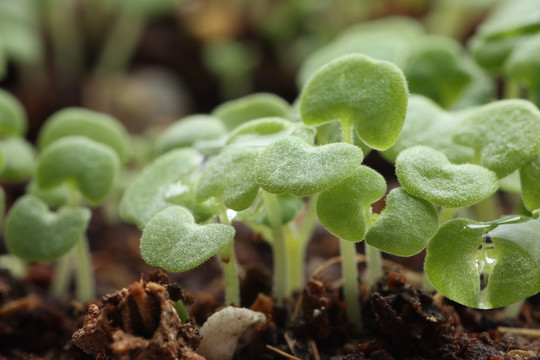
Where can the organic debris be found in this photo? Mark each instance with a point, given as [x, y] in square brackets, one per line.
[139, 322]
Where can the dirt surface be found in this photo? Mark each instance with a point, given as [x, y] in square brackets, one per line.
[140, 322]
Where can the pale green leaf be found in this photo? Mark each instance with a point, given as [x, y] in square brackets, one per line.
[345, 209]
[291, 166]
[427, 174]
[34, 233]
[172, 240]
[368, 94]
[405, 226]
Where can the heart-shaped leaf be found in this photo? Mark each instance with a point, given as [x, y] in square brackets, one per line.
[368, 94]
[504, 134]
[291, 166]
[529, 175]
[230, 178]
[88, 165]
[99, 127]
[236, 112]
[189, 130]
[345, 209]
[35, 233]
[172, 240]
[427, 124]
[405, 226]
[19, 159]
[427, 174]
[159, 185]
[12, 116]
[485, 265]
[260, 132]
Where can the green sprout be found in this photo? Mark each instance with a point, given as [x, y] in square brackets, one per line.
[71, 170]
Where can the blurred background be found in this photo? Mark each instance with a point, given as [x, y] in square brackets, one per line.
[151, 62]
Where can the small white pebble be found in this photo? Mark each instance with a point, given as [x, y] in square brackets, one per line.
[223, 331]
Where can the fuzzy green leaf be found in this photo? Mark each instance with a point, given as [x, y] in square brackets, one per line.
[88, 165]
[12, 115]
[55, 197]
[524, 62]
[230, 178]
[35, 233]
[436, 69]
[427, 124]
[236, 112]
[427, 174]
[451, 261]
[368, 94]
[405, 226]
[172, 240]
[530, 183]
[99, 127]
[510, 23]
[159, 185]
[189, 130]
[485, 265]
[345, 209]
[387, 39]
[19, 159]
[291, 166]
[260, 132]
[504, 134]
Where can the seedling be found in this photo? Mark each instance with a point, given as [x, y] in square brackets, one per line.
[71, 170]
[263, 169]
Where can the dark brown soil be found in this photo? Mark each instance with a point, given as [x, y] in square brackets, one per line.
[401, 321]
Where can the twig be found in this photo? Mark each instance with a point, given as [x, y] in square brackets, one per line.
[282, 353]
[314, 349]
[519, 331]
[297, 306]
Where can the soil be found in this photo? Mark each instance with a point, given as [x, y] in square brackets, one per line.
[401, 321]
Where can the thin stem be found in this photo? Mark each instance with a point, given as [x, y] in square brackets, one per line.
[62, 276]
[450, 19]
[281, 266]
[230, 267]
[350, 284]
[85, 277]
[296, 243]
[120, 45]
[65, 37]
[295, 251]
[511, 90]
[487, 209]
[310, 217]
[346, 132]
[512, 311]
[374, 269]
[446, 214]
